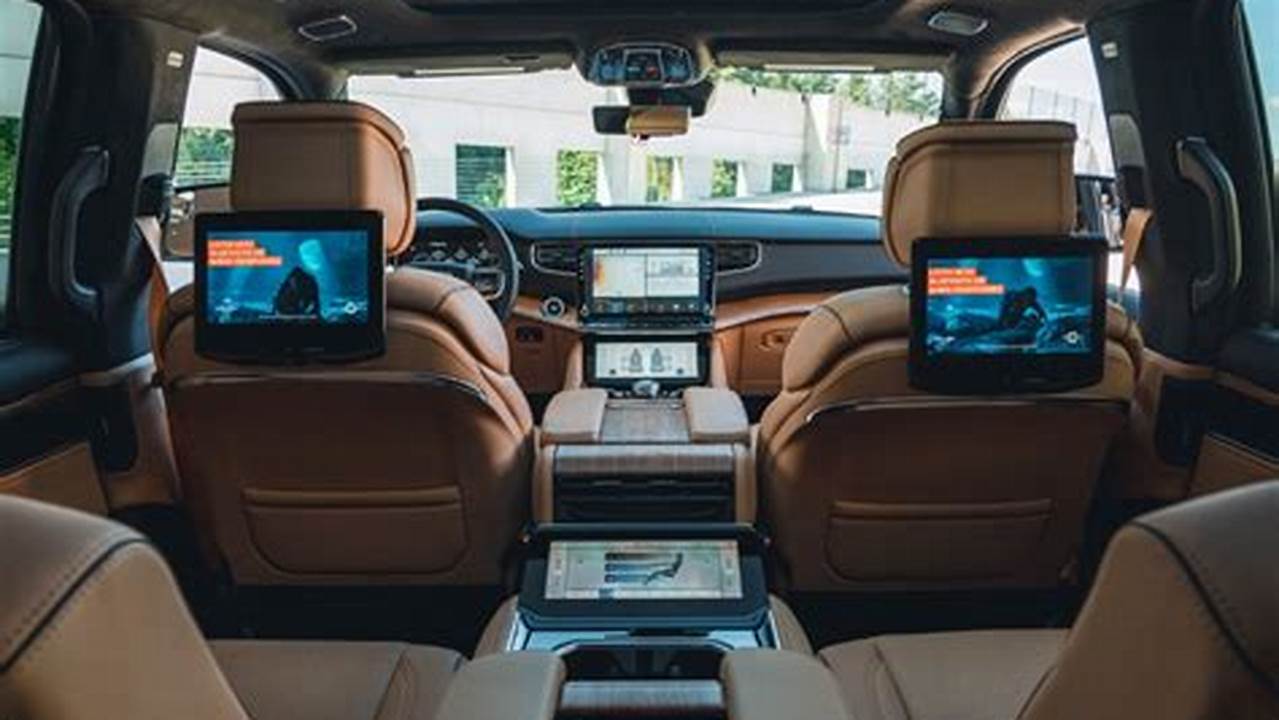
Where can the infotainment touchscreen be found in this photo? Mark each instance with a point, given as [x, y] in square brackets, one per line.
[279, 286]
[644, 570]
[1015, 314]
[640, 281]
[655, 360]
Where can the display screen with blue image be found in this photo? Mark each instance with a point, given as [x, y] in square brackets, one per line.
[295, 277]
[1008, 306]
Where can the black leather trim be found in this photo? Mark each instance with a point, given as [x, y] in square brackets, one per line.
[1254, 356]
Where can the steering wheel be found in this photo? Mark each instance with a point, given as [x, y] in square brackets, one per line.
[498, 283]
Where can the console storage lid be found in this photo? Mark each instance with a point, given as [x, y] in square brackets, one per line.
[508, 685]
[715, 415]
[769, 684]
[574, 417]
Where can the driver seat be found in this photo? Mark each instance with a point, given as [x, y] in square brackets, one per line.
[412, 467]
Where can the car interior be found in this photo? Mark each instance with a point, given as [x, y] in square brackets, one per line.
[709, 360]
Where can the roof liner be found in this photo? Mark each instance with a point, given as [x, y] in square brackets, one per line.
[395, 36]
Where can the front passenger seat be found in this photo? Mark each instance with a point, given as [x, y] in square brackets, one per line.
[869, 484]
[410, 468]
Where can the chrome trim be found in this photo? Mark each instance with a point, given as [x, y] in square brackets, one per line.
[577, 247]
[398, 377]
[532, 257]
[934, 402]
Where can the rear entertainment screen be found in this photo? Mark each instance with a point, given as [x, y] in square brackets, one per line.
[1017, 314]
[646, 281]
[272, 286]
[644, 570]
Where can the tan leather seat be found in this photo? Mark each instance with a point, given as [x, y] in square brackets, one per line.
[1180, 625]
[869, 484]
[410, 468]
[92, 626]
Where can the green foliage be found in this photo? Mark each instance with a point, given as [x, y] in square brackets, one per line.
[724, 179]
[204, 157]
[900, 91]
[577, 177]
[660, 179]
[10, 136]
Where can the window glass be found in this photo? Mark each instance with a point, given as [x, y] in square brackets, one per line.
[218, 84]
[783, 178]
[481, 172]
[1061, 84]
[577, 180]
[771, 140]
[1263, 24]
[662, 179]
[19, 24]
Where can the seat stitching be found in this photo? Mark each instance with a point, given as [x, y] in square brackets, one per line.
[892, 678]
[390, 682]
[63, 587]
[1214, 602]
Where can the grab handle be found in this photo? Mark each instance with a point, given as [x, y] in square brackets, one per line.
[87, 175]
[1200, 166]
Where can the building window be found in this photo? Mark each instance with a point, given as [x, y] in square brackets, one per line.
[218, 84]
[483, 175]
[577, 177]
[859, 179]
[662, 179]
[21, 22]
[783, 178]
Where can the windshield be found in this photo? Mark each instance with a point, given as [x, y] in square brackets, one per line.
[773, 140]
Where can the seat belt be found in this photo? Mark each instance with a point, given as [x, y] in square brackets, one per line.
[155, 196]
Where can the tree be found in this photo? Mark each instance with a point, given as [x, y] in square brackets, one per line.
[204, 156]
[893, 92]
[577, 177]
[10, 132]
[723, 179]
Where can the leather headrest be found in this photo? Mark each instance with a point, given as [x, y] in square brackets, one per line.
[967, 179]
[324, 156]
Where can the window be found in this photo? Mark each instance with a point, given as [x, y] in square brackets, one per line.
[662, 180]
[726, 177]
[218, 84]
[19, 23]
[482, 175]
[1061, 84]
[577, 177]
[783, 178]
[1263, 23]
[858, 179]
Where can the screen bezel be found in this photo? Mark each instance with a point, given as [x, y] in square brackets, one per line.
[586, 278]
[286, 344]
[1011, 373]
[747, 612]
[589, 343]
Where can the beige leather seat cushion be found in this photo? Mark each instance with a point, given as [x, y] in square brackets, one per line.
[297, 680]
[981, 675]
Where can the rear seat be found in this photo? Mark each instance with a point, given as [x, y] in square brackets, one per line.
[1180, 625]
[92, 626]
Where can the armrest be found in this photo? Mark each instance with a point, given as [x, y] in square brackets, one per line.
[715, 415]
[574, 417]
[508, 686]
[770, 684]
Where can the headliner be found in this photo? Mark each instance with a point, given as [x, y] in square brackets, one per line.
[397, 36]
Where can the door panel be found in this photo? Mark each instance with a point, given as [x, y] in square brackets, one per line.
[65, 476]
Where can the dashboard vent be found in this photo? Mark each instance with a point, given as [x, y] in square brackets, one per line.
[555, 257]
[736, 257]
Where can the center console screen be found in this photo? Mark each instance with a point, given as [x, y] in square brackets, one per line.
[630, 284]
[653, 360]
[644, 570]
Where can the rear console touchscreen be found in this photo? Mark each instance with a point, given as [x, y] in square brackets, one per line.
[643, 286]
[640, 578]
[617, 361]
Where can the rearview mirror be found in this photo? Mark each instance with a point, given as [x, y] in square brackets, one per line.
[642, 121]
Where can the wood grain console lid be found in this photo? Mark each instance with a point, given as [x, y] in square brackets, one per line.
[715, 415]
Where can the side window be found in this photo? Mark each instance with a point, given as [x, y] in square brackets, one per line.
[218, 84]
[1061, 84]
[19, 24]
[1263, 25]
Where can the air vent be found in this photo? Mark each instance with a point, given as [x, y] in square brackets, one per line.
[736, 256]
[328, 29]
[555, 258]
[957, 23]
